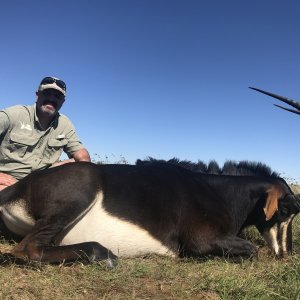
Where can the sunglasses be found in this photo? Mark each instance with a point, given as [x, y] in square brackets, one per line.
[51, 80]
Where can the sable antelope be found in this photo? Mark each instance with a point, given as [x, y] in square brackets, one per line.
[291, 102]
[105, 211]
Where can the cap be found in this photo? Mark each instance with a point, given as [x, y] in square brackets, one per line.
[52, 83]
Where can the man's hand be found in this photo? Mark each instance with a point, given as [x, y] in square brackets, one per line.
[66, 161]
[6, 180]
[80, 155]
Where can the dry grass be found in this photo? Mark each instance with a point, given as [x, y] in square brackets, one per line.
[159, 278]
[295, 188]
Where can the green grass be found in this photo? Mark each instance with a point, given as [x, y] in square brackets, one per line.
[160, 278]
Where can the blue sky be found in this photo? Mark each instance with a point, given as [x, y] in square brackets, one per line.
[162, 78]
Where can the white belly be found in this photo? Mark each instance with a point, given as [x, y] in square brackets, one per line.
[16, 218]
[123, 238]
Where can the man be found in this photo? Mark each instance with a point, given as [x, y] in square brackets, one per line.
[33, 137]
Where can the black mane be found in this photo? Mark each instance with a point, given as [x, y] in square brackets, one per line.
[230, 167]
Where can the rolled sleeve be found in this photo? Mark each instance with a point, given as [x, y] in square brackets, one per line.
[73, 142]
[4, 123]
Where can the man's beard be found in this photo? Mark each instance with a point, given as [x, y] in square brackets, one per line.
[44, 110]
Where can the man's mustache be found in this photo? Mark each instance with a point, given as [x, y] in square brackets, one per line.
[53, 103]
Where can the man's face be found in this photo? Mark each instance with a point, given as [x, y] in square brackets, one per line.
[49, 101]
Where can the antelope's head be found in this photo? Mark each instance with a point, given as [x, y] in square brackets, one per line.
[277, 231]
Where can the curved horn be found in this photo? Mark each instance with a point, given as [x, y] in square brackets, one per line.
[291, 102]
[288, 109]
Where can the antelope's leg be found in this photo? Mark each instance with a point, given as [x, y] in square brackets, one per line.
[36, 246]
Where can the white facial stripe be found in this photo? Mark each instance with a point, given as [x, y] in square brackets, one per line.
[283, 233]
[271, 238]
[120, 236]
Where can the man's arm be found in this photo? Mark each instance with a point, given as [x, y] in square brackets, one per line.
[5, 179]
[79, 155]
[74, 148]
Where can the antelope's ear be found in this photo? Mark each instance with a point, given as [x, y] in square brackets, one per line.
[272, 202]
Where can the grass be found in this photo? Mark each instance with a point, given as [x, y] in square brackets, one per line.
[159, 278]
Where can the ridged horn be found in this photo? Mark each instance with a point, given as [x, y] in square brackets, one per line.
[291, 102]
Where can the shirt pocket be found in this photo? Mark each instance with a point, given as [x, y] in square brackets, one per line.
[19, 143]
[57, 143]
[54, 149]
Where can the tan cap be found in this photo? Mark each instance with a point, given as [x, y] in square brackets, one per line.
[53, 83]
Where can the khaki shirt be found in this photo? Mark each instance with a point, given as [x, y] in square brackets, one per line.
[24, 147]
